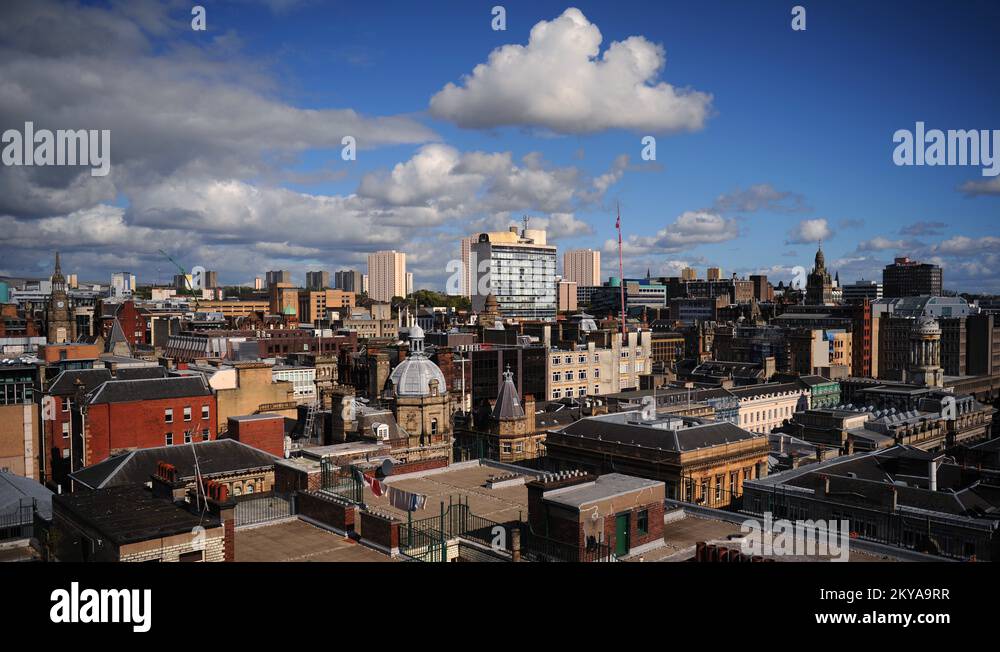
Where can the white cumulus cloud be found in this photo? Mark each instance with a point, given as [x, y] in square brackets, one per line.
[561, 81]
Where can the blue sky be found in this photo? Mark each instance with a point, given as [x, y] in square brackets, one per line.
[794, 138]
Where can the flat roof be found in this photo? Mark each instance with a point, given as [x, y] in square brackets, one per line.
[604, 487]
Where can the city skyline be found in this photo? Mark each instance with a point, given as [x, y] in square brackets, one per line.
[752, 169]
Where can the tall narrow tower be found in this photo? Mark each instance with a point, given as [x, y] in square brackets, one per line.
[59, 324]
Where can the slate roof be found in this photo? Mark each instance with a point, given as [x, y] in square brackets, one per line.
[218, 457]
[508, 405]
[865, 477]
[753, 391]
[16, 490]
[692, 433]
[65, 383]
[130, 513]
[140, 373]
[149, 389]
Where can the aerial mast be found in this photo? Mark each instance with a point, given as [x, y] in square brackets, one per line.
[621, 273]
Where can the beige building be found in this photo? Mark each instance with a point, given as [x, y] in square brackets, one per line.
[386, 275]
[765, 407]
[314, 304]
[367, 324]
[19, 447]
[593, 371]
[468, 274]
[583, 267]
[249, 388]
[713, 274]
[234, 307]
[567, 296]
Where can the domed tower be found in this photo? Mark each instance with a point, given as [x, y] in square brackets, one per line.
[490, 314]
[925, 354]
[420, 391]
[819, 285]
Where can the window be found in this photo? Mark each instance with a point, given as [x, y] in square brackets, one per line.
[569, 392]
[206, 434]
[582, 374]
[249, 488]
[557, 393]
[170, 439]
[187, 436]
[642, 523]
[168, 415]
[557, 360]
[434, 426]
[597, 373]
[582, 359]
[556, 377]
[204, 411]
[597, 389]
[65, 430]
[65, 405]
[194, 556]
[187, 413]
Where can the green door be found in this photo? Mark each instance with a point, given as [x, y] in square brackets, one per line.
[621, 535]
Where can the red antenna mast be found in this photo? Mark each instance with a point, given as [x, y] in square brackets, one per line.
[621, 272]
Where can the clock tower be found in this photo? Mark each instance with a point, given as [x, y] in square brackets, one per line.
[60, 326]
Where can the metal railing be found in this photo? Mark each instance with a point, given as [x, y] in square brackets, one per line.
[18, 522]
[253, 509]
[538, 548]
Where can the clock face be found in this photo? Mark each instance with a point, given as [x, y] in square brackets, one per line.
[60, 304]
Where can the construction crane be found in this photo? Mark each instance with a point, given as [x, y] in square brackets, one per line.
[187, 282]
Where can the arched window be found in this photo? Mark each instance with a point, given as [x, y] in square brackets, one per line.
[434, 426]
[249, 487]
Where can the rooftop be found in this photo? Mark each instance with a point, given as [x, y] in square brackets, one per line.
[130, 513]
[150, 389]
[604, 487]
[673, 433]
[213, 457]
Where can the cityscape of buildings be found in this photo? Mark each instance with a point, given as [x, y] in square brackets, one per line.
[285, 407]
[642, 283]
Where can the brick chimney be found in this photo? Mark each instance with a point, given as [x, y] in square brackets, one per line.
[165, 483]
[221, 504]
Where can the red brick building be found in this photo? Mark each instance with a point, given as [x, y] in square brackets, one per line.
[581, 513]
[128, 414]
[134, 323]
[57, 401]
[265, 432]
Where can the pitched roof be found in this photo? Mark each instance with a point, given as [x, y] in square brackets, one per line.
[218, 457]
[149, 389]
[508, 404]
[16, 490]
[116, 337]
[140, 373]
[673, 433]
[65, 383]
